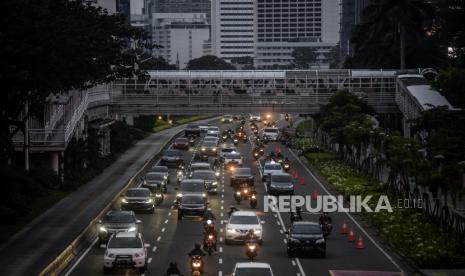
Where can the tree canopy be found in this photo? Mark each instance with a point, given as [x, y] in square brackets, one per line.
[52, 46]
[304, 56]
[209, 62]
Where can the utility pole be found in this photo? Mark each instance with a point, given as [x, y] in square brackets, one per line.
[26, 137]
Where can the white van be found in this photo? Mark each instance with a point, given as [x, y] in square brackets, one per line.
[270, 134]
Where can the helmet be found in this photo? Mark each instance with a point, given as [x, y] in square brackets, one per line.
[298, 208]
[197, 246]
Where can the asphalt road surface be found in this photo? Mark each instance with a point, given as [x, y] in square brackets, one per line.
[170, 240]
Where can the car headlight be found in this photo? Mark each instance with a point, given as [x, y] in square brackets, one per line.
[132, 229]
[238, 193]
[217, 173]
[214, 149]
[165, 177]
[124, 200]
[158, 195]
[322, 240]
[180, 173]
[231, 231]
[179, 195]
[203, 149]
[294, 240]
[215, 183]
[149, 200]
[204, 194]
[257, 231]
[103, 229]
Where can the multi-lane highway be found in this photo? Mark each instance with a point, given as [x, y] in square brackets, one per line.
[170, 240]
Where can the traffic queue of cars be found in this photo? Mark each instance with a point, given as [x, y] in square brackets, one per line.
[119, 230]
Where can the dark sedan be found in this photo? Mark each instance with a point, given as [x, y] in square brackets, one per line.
[192, 205]
[241, 176]
[305, 237]
[172, 158]
[192, 130]
[138, 199]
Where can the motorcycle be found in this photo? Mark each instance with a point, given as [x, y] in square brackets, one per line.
[286, 166]
[209, 225]
[225, 137]
[326, 228]
[296, 216]
[251, 249]
[235, 141]
[158, 198]
[256, 154]
[191, 141]
[196, 265]
[253, 201]
[210, 244]
[238, 197]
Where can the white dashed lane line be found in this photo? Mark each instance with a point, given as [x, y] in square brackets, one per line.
[149, 260]
[154, 249]
[159, 238]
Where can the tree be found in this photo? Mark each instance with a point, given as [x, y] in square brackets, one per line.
[451, 83]
[156, 63]
[304, 56]
[246, 62]
[390, 30]
[54, 46]
[209, 62]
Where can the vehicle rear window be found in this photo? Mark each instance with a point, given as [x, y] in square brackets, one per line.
[192, 200]
[200, 167]
[138, 193]
[243, 171]
[310, 229]
[126, 242]
[271, 130]
[172, 153]
[252, 271]
[228, 150]
[233, 156]
[154, 176]
[272, 167]
[181, 140]
[209, 144]
[243, 220]
[281, 178]
[119, 218]
[192, 187]
[204, 175]
[159, 169]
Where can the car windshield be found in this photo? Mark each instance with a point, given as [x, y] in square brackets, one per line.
[272, 167]
[192, 200]
[118, 218]
[307, 229]
[192, 126]
[252, 271]
[192, 187]
[204, 175]
[125, 242]
[209, 144]
[227, 150]
[181, 140]
[210, 138]
[200, 167]
[138, 193]
[281, 178]
[271, 130]
[154, 176]
[233, 156]
[243, 171]
[159, 169]
[172, 153]
[243, 220]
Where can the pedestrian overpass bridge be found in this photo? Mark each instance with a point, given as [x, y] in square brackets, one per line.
[221, 92]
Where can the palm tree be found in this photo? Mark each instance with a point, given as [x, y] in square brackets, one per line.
[383, 18]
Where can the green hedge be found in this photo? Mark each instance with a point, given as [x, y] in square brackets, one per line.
[410, 232]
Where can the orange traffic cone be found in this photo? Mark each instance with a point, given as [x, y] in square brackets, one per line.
[360, 242]
[302, 181]
[344, 228]
[296, 175]
[315, 195]
[351, 236]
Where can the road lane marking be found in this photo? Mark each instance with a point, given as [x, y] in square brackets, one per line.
[347, 213]
[222, 207]
[222, 201]
[159, 238]
[169, 214]
[163, 229]
[300, 267]
[220, 260]
[166, 221]
[221, 239]
[221, 230]
[81, 257]
[276, 216]
[154, 249]
[221, 214]
[222, 195]
[220, 273]
[293, 263]
[221, 249]
[149, 260]
[281, 231]
[285, 241]
[277, 222]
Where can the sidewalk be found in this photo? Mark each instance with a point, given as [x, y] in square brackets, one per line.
[40, 242]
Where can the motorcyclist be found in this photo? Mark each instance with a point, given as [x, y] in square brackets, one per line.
[297, 215]
[232, 210]
[173, 270]
[272, 155]
[197, 251]
[250, 235]
[209, 215]
[325, 219]
[210, 231]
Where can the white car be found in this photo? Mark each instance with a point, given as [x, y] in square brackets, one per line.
[204, 127]
[233, 158]
[125, 250]
[270, 168]
[252, 268]
[211, 139]
[239, 225]
[213, 129]
[270, 134]
[213, 133]
[226, 150]
[255, 117]
[227, 119]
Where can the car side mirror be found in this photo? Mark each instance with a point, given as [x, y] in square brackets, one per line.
[138, 221]
[146, 245]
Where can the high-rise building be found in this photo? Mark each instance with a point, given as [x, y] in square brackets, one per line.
[183, 36]
[183, 6]
[232, 29]
[284, 25]
[351, 15]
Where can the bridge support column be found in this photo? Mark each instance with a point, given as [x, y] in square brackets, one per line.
[56, 161]
[129, 120]
[405, 127]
